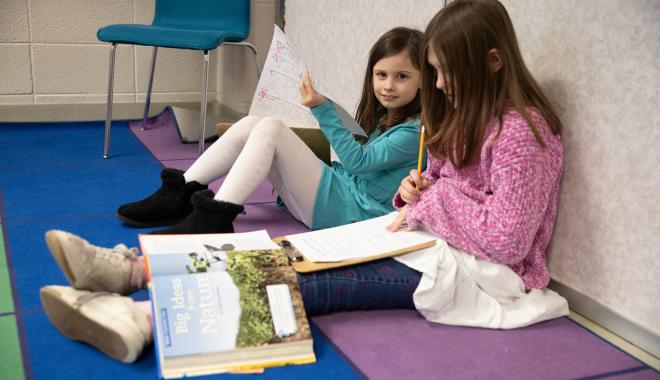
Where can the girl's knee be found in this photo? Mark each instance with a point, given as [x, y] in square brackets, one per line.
[247, 122]
[270, 126]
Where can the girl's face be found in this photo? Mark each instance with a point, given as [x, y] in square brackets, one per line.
[440, 83]
[395, 81]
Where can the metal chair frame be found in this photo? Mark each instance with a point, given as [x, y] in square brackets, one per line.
[204, 101]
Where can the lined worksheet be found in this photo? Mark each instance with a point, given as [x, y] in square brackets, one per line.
[357, 240]
[278, 92]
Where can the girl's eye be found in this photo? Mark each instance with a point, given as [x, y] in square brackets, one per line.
[380, 75]
[402, 76]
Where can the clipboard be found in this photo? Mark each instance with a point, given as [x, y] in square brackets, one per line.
[302, 265]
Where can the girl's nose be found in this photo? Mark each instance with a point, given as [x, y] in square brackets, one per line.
[440, 83]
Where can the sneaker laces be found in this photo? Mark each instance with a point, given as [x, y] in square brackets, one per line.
[129, 253]
[124, 252]
[118, 256]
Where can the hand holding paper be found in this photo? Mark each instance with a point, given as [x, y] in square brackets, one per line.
[309, 96]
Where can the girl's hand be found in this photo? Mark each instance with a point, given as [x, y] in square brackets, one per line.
[399, 222]
[310, 98]
[411, 186]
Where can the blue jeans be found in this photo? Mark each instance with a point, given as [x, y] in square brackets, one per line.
[382, 284]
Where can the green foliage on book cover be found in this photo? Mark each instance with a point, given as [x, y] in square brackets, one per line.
[252, 271]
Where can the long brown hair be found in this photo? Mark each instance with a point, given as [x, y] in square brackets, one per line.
[370, 112]
[461, 35]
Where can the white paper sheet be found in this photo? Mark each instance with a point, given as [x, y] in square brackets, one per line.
[175, 244]
[356, 240]
[278, 92]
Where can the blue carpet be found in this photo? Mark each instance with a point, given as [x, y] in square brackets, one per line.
[54, 176]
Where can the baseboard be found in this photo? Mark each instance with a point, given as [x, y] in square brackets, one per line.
[609, 319]
[38, 113]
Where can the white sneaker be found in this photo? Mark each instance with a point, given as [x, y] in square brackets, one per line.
[111, 323]
[89, 267]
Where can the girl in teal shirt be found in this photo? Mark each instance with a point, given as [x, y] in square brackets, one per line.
[253, 149]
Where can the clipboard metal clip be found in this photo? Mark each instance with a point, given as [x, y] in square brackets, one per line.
[291, 251]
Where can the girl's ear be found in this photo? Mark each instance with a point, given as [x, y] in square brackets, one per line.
[494, 60]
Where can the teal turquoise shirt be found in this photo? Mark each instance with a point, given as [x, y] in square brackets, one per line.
[363, 184]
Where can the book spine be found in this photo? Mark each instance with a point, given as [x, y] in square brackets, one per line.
[154, 323]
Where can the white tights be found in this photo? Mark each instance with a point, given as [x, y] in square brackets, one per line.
[253, 149]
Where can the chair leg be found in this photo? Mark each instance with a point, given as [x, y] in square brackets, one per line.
[108, 115]
[254, 51]
[257, 60]
[202, 114]
[151, 81]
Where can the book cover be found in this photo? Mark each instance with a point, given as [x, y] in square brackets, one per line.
[228, 310]
[181, 254]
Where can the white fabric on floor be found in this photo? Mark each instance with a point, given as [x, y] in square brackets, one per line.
[459, 289]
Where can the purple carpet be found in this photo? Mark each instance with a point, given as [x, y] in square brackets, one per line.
[400, 344]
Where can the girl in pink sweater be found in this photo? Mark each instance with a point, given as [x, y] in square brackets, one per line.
[491, 186]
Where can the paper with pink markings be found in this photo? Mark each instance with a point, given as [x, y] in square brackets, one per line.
[278, 92]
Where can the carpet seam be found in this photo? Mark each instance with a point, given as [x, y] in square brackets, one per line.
[22, 338]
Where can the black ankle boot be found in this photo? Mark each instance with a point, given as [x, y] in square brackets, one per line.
[208, 216]
[168, 205]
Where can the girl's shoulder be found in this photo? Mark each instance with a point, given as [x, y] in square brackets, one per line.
[516, 130]
[410, 124]
[514, 122]
[513, 118]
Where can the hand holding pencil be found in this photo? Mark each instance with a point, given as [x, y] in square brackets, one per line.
[410, 188]
[414, 183]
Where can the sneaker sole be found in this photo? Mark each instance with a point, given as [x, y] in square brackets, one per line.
[55, 248]
[74, 325]
[138, 224]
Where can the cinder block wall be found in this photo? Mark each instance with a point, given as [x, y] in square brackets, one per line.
[49, 54]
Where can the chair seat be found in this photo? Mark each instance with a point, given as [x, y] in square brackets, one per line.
[150, 35]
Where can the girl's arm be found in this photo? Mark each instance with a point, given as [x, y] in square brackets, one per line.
[425, 179]
[388, 152]
[501, 225]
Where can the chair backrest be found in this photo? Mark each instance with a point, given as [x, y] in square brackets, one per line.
[225, 15]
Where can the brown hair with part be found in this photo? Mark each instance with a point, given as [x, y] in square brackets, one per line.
[369, 111]
[461, 35]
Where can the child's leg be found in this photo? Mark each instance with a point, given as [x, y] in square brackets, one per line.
[273, 150]
[382, 284]
[171, 203]
[216, 161]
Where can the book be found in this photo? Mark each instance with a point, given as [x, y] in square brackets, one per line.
[278, 92]
[224, 303]
[351, 244]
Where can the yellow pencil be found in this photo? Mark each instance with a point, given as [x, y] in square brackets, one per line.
[421, 151]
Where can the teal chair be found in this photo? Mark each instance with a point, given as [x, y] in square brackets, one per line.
[181, 24]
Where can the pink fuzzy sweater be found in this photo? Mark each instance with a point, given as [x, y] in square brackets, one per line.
[502, 207]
